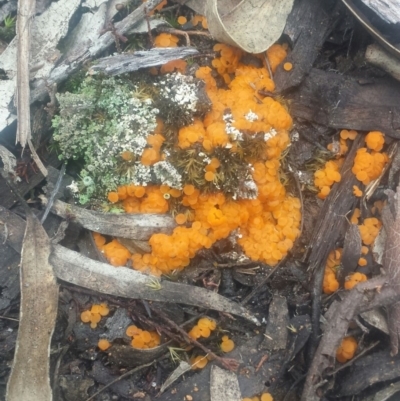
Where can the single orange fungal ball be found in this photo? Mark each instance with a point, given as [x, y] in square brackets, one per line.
[357, 191]
[86, 316]
[180, 218]
[362, 262]
[104, 344]
[227, 344]
[209, 176]
[188, 189]
[113, 197]
[347, 349]
[182, 20]
[287, 66]
[266, 397]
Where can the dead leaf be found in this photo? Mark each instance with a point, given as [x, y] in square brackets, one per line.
[29, 378]
[252, 25]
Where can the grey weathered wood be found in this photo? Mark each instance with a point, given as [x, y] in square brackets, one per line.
[123, 63]
[81, 56]
[135, 226]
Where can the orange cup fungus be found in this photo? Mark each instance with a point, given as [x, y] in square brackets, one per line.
[369, 230]
[181, 20]
[227, 344]
[354, 279]
[287, 66]
[174, 65]
[166, 40]
[104, 344]
[375, 140]
[263, 397]
[327, 176]
[355, 216]
[114, 251]
[199, 19]
[370, 162]
[330, 283]
[357, 191]
[346, 350]
[142, 339]
[95, 314]
[272, 214]
[203, 328]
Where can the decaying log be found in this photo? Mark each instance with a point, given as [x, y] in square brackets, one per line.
[341, 102]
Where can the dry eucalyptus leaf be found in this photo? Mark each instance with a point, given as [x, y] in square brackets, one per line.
[29, 378]
[252, 25]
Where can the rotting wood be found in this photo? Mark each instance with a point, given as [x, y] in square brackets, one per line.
[380, 290]
[133, 226]
[307, 27]
[76, 269]
[329, 227]
[123, 63]
[341, 102]
[29, 378]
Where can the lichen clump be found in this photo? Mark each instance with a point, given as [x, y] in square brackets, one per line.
[183, 145]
